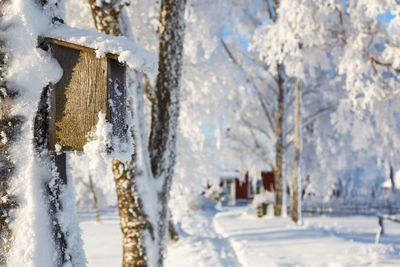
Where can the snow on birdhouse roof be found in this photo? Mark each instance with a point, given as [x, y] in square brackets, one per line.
[119, 47]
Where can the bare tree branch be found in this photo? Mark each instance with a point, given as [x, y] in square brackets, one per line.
[269, 10]
[378, 62]
[258, 93]
[257, 144]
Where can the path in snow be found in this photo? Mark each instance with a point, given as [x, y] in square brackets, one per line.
[102, 241]
[321, 241]
[200, 245]
[235, 237]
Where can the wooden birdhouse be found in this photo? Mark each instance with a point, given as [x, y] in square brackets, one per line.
[89, 85]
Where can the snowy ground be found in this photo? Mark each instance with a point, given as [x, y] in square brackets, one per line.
[235, 237]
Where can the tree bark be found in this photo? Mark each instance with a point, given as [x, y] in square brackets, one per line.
[165, 108]
[172, 232]
[165, 111]
[295, 211]
[279, 143]
[106, 17]
[132, 218]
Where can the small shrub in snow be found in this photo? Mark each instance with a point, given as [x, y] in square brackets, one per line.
[265, 197]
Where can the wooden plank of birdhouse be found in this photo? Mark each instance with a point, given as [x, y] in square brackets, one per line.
[78, 97]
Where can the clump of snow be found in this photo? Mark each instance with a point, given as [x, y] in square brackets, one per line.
[57, 147]
[3, 137]
[23, 71]
[33, 245]
[134, 55]
[94, 162]
[202, 203]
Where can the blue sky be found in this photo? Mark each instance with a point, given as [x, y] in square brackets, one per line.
[386, 17]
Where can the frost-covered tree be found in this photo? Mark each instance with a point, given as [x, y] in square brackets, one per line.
[43, 226]
[287, 39]
[259, 97]
[10, 129]
[165, 108]
[157, 166]
[106, 16]
[354, 42]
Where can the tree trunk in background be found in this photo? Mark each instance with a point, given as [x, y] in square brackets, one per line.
[392, 182]
[279, 144]
[132, 218]
[295, 212]
[172, 231]
[272, 8]
[106, 17]
[165, 108]
[165, 111]
[284, 161]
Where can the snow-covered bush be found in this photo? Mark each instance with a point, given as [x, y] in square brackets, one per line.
[218, 194]
[265, 197]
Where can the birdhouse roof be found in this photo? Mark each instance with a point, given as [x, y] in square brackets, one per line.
[117, 47]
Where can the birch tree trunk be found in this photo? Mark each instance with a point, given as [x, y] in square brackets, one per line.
[295, 207]
[165, 111]
[132, 218]
[106, 17]
[272, 9]
[279, 149]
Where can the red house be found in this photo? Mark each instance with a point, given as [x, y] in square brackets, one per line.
[268, 181]
[242, 188]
